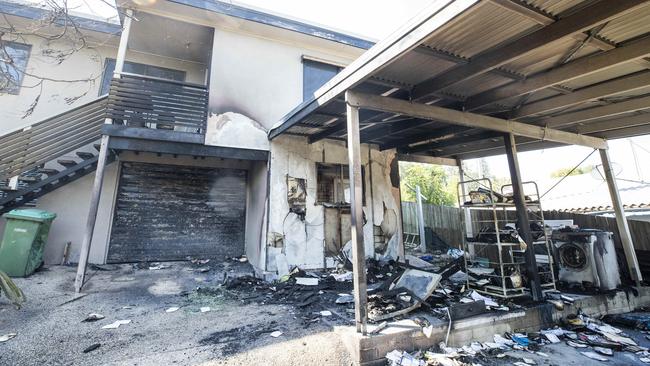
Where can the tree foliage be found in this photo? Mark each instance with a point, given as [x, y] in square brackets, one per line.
[567, 171]
[435, 183]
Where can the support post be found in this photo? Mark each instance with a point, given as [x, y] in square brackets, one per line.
[469, 231]
[532, 272]
[92, 215]
[124, 42]
[356, 196]
[621, 220]
[418, 200]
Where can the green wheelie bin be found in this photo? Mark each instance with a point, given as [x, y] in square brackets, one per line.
[25, 235]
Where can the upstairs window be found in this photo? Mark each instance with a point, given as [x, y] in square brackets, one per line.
[13, 61]
[314, 75]
[139, 69]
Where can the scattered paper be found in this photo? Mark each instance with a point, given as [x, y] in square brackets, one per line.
[205, 309]
[594, 356]
[326, 313]
[529, 361]
[306, 281]
[342, 277]
[345, 299]
[6, 337]
[576, 345]
[488, 301]
[276, 334]
[604, 351]
[157, 266]
[93, 317]
[552, 337]
[116, 324]
[172, 309]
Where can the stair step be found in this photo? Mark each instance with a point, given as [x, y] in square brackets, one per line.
[28, 178]
[66, 162]
[48, 171]
[85, 155]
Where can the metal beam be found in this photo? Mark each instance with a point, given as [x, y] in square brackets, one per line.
[426, 159]
[624, 84]
[439, 134]
[187, 149]
[356, 218]
[621, 220]
[532, 272]
[378, 131]
[578, 22]
[543, 18]
[614, 124]
[625, 132]
[468, 119]
[453, 142]
[627, 52]
[596, 113]
[522, 145]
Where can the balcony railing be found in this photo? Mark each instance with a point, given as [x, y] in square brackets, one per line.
[148, 102]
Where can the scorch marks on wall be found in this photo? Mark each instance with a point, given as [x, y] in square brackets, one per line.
[302, 241]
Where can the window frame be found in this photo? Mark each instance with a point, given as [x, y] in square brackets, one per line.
[27, 48]
[340, 179]
[306, 61]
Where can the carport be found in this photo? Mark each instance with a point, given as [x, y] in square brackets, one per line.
[467, 78]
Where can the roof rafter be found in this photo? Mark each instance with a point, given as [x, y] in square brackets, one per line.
[578, 22]
[629, 51]
[613, 109]
[621, 85]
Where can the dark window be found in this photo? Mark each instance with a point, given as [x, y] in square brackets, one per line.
[314, 75]
[333, 184]
[13, 61]
[140, 69]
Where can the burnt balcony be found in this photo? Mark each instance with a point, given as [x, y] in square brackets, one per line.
[149, 107]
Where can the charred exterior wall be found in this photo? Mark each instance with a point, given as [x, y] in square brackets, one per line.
[301, 238]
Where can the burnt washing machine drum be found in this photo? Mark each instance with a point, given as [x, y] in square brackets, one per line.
[588, 256]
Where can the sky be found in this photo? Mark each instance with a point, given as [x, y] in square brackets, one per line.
[376, 19]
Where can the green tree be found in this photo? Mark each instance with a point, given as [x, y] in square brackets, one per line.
[434, 181]
[567, 171]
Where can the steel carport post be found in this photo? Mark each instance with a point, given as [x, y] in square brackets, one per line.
[621, 220]
[356, 194]
[522, 218]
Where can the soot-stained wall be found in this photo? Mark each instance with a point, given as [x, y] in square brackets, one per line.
[302, 240]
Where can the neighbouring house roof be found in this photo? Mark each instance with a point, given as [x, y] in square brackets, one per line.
[25, 10]
[588, 193]
[579, 66]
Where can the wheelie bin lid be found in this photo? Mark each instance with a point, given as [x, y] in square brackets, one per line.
[31, 214]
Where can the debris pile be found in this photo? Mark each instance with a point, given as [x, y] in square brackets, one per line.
[592, 338]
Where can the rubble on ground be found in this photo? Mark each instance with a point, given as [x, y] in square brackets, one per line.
[592, 338]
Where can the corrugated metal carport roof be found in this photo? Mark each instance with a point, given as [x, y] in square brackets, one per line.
[572, 65]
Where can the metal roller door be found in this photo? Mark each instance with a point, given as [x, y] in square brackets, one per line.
[170, 212]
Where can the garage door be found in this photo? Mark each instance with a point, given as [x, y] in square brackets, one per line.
[170, 212]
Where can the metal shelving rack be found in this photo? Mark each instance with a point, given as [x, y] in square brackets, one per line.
[504, 268]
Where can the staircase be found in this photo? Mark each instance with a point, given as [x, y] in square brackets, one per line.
[50, 153]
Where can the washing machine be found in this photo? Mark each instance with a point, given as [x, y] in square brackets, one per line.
[587, 256]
